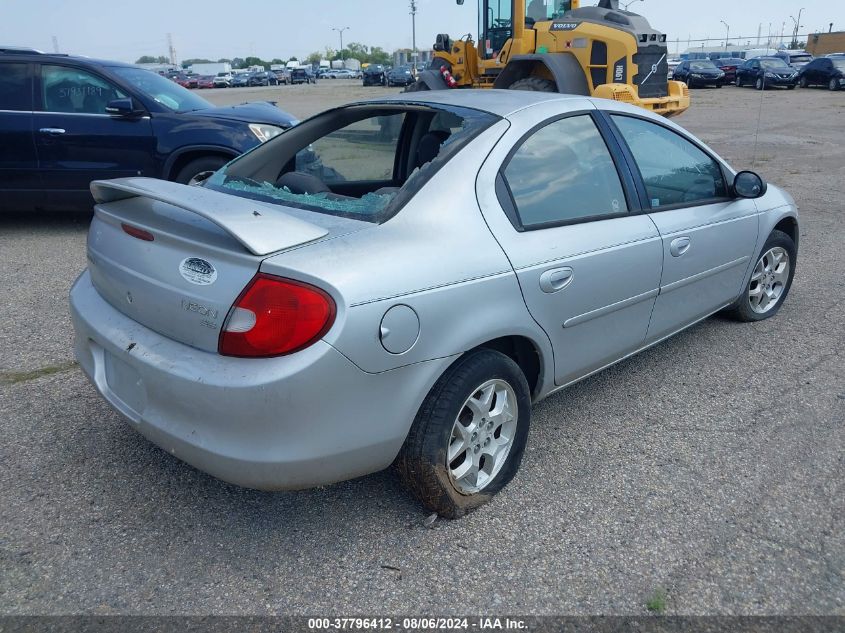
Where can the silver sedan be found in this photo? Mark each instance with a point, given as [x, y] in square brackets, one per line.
[398, 280]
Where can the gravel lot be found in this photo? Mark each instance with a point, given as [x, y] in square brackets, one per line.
[709, 467]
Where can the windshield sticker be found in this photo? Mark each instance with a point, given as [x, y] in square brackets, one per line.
[198, 271]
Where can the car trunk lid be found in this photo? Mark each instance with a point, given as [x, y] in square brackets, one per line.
[175, 258]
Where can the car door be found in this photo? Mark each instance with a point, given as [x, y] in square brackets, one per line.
[77, 141]
[824, 72]
[20, 182]
[708, 236]
[562, 205]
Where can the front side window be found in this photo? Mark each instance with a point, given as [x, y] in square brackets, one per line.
[71, 90]
[363, 151]
[15, 87]
[564, 173]
[674, 170]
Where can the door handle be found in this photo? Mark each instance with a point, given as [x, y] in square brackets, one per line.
[556, 279]
[679, 246]
[52, 131]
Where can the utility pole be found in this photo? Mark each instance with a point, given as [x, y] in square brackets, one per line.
[759, 33]
[794, 43]
[55, 44]
[170, 49]
[340, 31]
[414, 34]
[728, 35]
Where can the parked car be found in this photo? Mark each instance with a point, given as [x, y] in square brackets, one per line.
[205, 82]
[673, 63]
[728, 65]
[824, 71]
[766, 72]
[282, 76]
[699, 73]
[302, 76]
[340, 73]
[796, 59]
[263, 79]
[246, 322]
[186, 81]
[374, 75]
[401, 76]
[90, 119]
[240, 80]
[223, 80]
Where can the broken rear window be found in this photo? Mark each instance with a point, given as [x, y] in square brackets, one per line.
[360, 162]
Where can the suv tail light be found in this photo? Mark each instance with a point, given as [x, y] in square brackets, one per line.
[274, 316]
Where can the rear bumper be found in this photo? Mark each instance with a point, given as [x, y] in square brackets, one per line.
[298, 421]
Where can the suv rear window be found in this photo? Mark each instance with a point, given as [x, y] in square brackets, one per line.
[361, 162]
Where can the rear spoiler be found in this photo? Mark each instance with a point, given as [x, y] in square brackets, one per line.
[261, 228]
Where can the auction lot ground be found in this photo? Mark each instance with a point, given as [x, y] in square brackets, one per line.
[709, 467]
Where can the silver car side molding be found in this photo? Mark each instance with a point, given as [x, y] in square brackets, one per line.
[634, 353]
[613, 307]
[706, 273]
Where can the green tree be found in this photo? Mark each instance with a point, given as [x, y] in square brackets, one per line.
[378, 56]
[239, 62]
[149, 59]
[314, 58]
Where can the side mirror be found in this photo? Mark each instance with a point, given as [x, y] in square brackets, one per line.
[121, 107]
[747, 184]
[460, 1]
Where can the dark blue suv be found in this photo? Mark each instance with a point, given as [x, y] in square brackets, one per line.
[65, 121]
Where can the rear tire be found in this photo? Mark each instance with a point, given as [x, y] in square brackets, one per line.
[480, 409]
[534, 84]
[833, 85]
[759, 84]
[748, 307]
[191, 173]
[738, 82]
[803, 82]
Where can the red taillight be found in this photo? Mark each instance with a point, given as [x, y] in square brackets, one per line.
[134, 231]
[274, 316]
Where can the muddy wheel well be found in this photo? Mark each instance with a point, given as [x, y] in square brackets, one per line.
[790, 227]
[523, 352]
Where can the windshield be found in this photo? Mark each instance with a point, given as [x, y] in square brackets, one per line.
[360, 162]
[161, 90]
[774, 63]
[704, 65]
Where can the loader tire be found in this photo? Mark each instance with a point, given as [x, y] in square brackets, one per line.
[534, 84]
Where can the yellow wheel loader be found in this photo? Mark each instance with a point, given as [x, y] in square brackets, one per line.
[560, 46]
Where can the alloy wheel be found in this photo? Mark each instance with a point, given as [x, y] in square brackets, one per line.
[482, 436]
[769, 279]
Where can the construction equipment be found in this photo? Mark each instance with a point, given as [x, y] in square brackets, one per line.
[559, 46]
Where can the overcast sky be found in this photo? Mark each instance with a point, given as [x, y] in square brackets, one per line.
[284, 28]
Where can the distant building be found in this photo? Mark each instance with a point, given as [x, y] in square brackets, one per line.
[823, 43]
[161, 69]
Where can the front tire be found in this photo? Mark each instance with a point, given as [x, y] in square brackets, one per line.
[534, 84]
[759, 84]
[770, 280]
[833, 85]
[803, 82]
[468, 438]
[738, 82]
[199, 169]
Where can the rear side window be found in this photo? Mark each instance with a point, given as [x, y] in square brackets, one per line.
[674, 170]
[71, 90]
[15, 87]
[564, 173]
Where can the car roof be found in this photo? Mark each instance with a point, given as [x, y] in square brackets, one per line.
[499, 102]
[33, 54]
